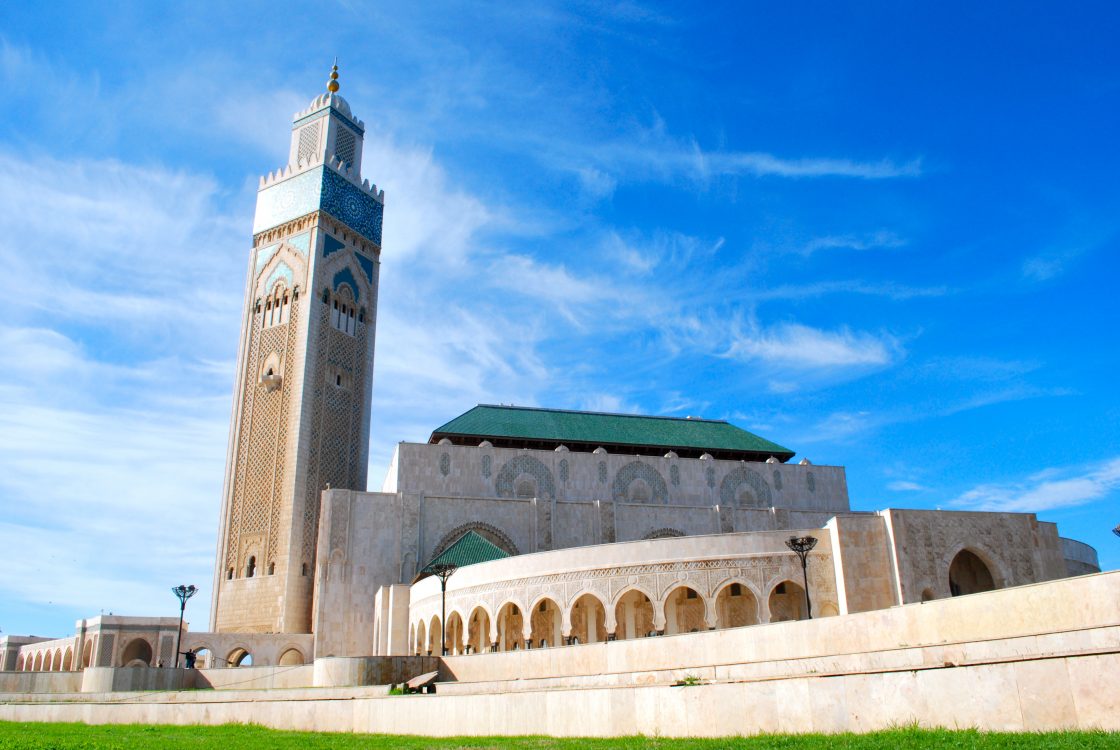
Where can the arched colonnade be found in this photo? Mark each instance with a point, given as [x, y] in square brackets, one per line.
[590, 617]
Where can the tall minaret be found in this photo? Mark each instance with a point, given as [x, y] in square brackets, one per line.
[301, 405]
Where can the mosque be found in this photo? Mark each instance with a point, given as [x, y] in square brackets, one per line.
[511, 528]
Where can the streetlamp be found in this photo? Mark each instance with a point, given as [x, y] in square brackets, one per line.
[801, 545]
[184, 593]
[443, 571]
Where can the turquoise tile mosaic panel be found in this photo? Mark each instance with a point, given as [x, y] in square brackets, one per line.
[346, 276]
[287, 200]
[331, 245]
[282, 271]
[319, 188]
[366, 264]
[353, 206]
[301, 242]
[264, 255]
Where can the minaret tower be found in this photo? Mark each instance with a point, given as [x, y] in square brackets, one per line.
[301, 405]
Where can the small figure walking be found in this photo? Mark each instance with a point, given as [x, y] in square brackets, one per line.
[189, 657]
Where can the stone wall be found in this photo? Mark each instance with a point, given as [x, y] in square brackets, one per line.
[473, 471]
[865, 574]
[1016, 548]
[223, 650]
[1081, 559]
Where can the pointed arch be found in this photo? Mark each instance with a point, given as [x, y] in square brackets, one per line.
[644, 476]
[736, 604]
[731, 489]
[512, 470]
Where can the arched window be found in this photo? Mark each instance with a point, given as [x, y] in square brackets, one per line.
[272, 568]
[276, 308]
[251, 568]
[343, 312]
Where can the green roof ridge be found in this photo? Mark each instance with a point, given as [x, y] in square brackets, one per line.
[469, 549]
[565, 425]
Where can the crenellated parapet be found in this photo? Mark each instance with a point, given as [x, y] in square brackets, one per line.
[343, 169]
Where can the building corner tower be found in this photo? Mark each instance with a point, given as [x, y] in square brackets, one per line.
[301, 407]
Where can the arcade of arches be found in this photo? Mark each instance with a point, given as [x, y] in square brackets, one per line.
[588, 618]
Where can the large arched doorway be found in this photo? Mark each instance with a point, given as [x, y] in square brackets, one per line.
[969, 575]
[684, 611]
[421, 639]
[589, 620]
[138, 653]
[634, 615]
[787, 602]
[736, 606]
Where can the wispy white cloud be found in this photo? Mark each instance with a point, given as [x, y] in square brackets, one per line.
[640, 254]
[800, 346]
[653, 153]
[888, 289]
[1047, 490]
[881, 239]
[906, 486]
[607, 402]
[979, 368]
[1043, 268]
[764, 164]
[102, 242]
[91, 486]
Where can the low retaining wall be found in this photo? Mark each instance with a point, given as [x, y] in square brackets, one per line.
[131, 679]
[340, 671]
[40, 682]
[1066, 606]
[1033, 695]
[254, 678]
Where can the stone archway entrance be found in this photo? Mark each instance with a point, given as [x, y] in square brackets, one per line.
[969, 575]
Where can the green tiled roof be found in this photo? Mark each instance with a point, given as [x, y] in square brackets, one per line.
[594, 428]
[468, 549]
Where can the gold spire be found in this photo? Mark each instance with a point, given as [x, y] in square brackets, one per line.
[332, 84]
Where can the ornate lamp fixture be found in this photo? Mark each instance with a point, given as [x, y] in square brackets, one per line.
[443, 571]
[802, 545]
[184, 593]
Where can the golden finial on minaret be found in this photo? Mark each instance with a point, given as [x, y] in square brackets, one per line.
[332, 84]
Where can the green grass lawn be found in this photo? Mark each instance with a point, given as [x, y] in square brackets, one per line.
[229, 737]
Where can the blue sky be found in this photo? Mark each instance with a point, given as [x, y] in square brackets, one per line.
[886, 236]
